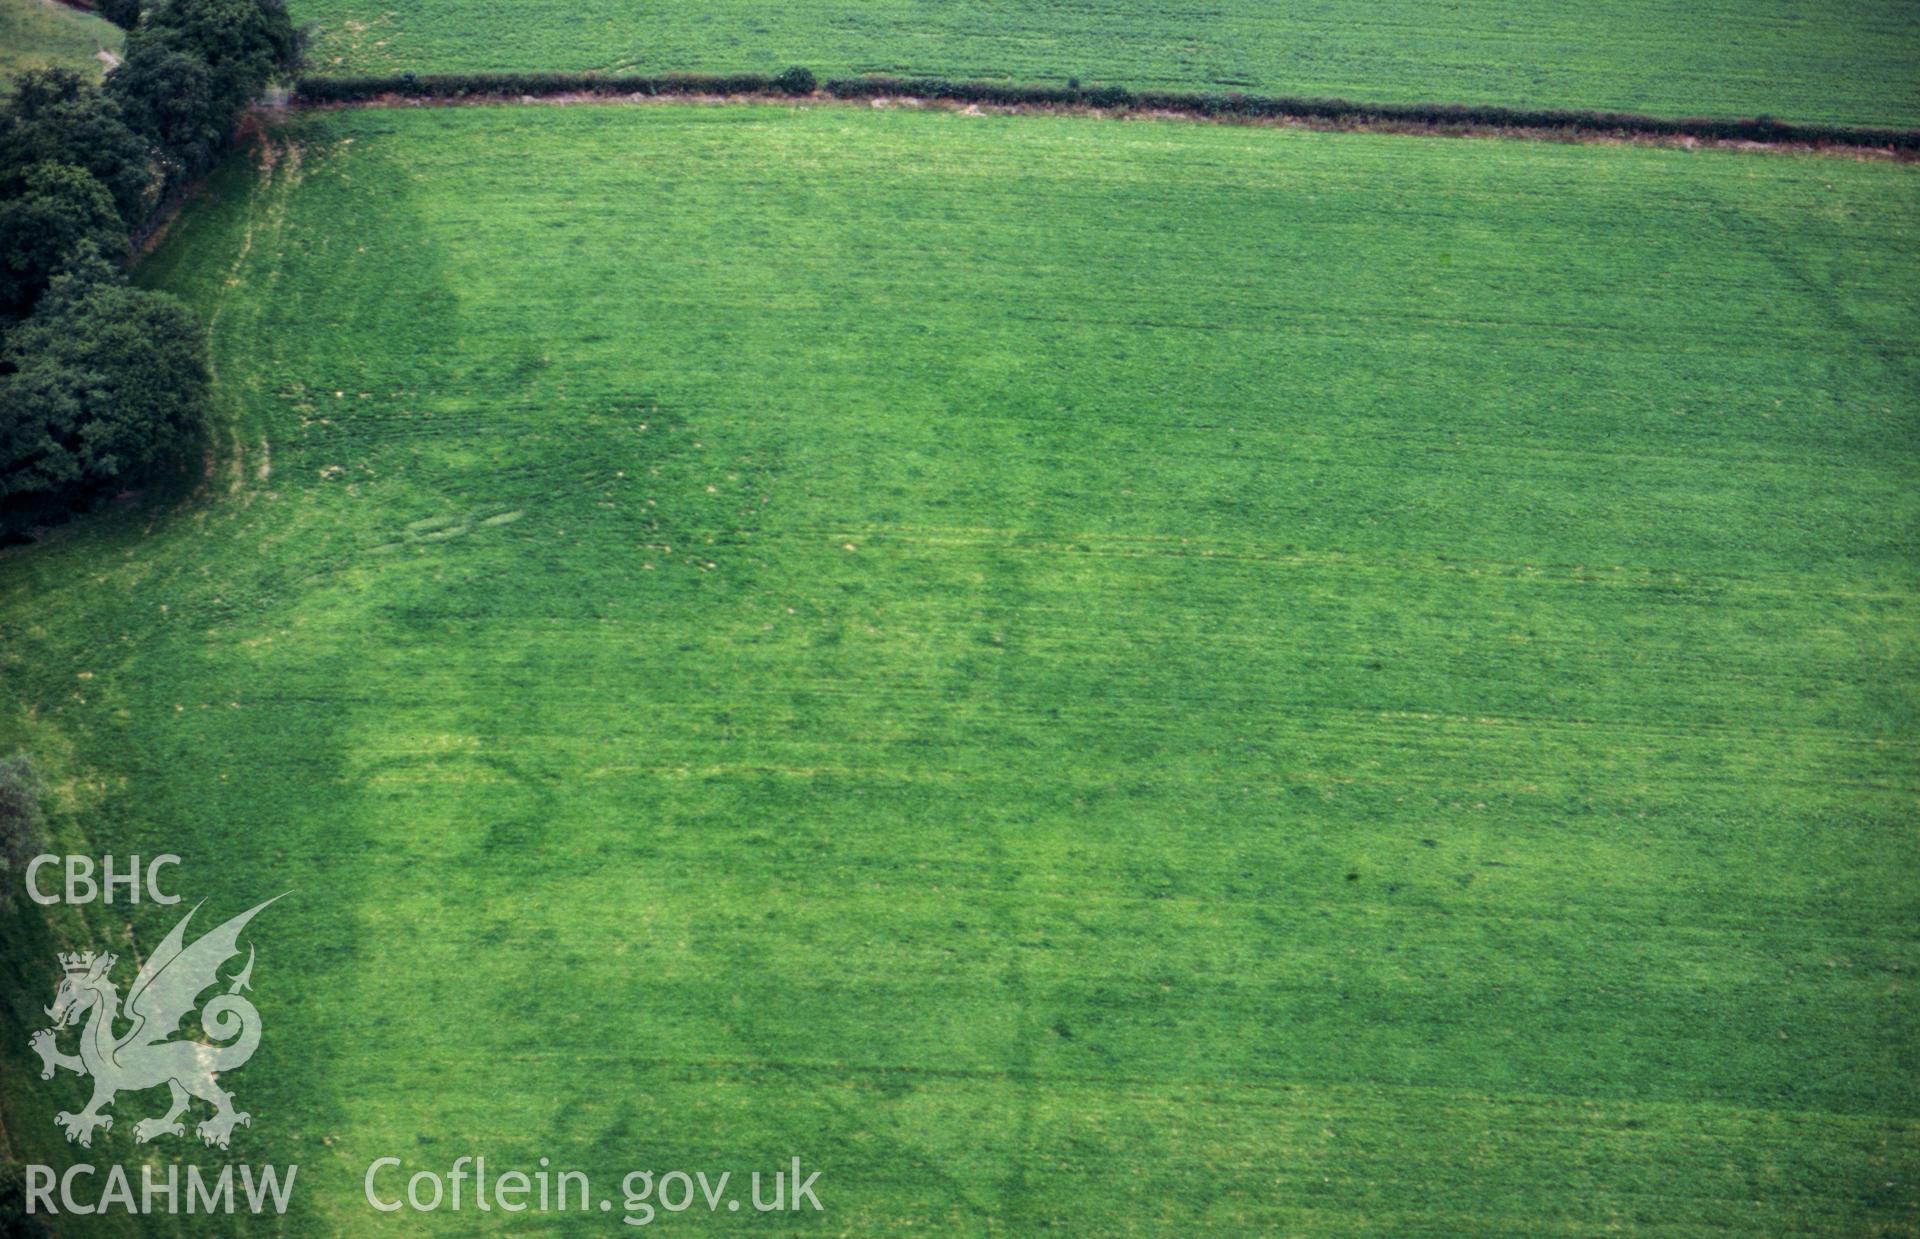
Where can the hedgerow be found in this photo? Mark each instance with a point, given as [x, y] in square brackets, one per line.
[534, 85]
[325, 90]
[1757, 129]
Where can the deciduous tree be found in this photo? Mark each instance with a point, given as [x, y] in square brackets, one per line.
[167, 96]
[58, 209]
[122, 13]
[106, 381]
[244, 43]
[56, 117]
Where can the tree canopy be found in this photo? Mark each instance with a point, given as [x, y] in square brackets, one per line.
[100, 381]
[242, 42]
[59, 209]
[55, 116]
[105, 380]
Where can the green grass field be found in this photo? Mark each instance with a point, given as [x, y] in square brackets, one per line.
[1146, 677]
[1850, 61]
[36, 34]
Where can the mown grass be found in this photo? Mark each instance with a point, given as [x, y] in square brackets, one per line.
[1147, 676]
[38, 34]
[1849, 62]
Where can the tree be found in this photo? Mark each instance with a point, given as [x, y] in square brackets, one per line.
[167, 96]
[107, 381]
[55, 117]
[798, 80]
[58, 209]
[244, 43]
[122, 13]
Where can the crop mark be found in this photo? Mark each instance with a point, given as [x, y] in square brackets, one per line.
[429, 530]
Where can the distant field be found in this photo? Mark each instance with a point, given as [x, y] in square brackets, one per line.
[1851, 61]
[37, 33]
[1138, 677]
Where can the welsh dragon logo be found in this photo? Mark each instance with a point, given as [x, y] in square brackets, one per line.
[164, 993]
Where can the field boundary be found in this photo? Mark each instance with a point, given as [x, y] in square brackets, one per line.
[1342, 114]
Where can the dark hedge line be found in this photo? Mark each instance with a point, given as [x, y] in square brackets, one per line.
[1754, 129]
[480, 85]
[799, 82]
